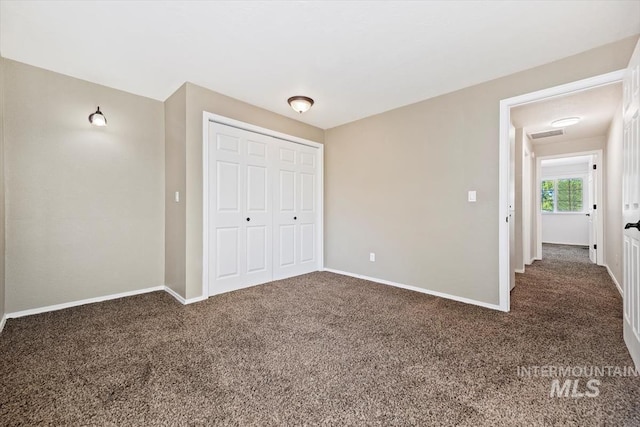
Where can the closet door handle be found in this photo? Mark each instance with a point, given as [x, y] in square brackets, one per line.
[248, 219]
[295, 217]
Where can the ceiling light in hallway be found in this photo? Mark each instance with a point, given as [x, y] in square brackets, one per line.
[567, 121]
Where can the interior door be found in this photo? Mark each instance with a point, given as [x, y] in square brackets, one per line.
[240, 236]
[631, 206]
[286, 230]
[591, 212]
[307, 209]
[296, 210]
[258, 214]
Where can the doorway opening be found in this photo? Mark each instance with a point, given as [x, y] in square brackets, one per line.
[569, 190]
[520, 219]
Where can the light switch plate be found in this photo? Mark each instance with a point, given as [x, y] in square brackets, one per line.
[472, 196]
[372, 257]
[177, 197]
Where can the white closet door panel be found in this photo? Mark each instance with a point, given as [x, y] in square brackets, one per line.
[241, 242]
[228, 249]
[307, 213]
[308, 159]
[257, 249]
[286, 201]
[287, 153]
[296, 214]
[307, 192]
[263, 208]
[257, 149]
[225, 207]
[228, 143]
[307, 243]
[287, 238]
[259, 230]
[228, 187]
[287, 191]
[257, 184]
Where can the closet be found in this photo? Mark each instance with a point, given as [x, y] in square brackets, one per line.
[264, 199]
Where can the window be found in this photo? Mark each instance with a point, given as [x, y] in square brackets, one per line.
[562, 195]
[548, 193]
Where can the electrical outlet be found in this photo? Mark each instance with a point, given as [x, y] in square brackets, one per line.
[372, 257]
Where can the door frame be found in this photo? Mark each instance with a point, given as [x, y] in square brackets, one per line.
[527, 215]
[216, 118]
[599, 191]
[504, 158]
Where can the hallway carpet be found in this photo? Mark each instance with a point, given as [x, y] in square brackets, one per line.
[324, 349]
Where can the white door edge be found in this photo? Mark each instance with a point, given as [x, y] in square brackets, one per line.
[504, 158]
[211, 117]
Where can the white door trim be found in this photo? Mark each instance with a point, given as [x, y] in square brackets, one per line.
[503, 179]
[527, 220]
[210, 117]
[599, 196]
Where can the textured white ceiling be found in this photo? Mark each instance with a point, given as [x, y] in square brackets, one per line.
[354, 58]
[595, 107]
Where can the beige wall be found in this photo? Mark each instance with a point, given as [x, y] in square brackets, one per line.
[85, 205]
[613, 198]
[396, 183]
[2, 209]
[175, 110]
[196, 100]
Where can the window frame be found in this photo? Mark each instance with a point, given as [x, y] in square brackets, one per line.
[555, 178]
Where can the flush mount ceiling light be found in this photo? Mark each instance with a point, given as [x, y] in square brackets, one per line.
[97, 118]
[300, 103]
[567, 121]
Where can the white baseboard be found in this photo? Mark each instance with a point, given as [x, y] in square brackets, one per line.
[614, 280]
[56, 307]
[519, 270]
[416, 289]
[62, 306]
[182, 300]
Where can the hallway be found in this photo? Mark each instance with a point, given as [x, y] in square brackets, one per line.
[567, 253]
[576, 305]
[566, 285]
[577, 311]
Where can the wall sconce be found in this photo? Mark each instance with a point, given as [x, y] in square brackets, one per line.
[300, 103]
[97, 118]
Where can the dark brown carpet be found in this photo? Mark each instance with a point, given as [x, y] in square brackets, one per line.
[323, 349]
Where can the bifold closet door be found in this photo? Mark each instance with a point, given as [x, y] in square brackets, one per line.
[296, 209]
[240, 214]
